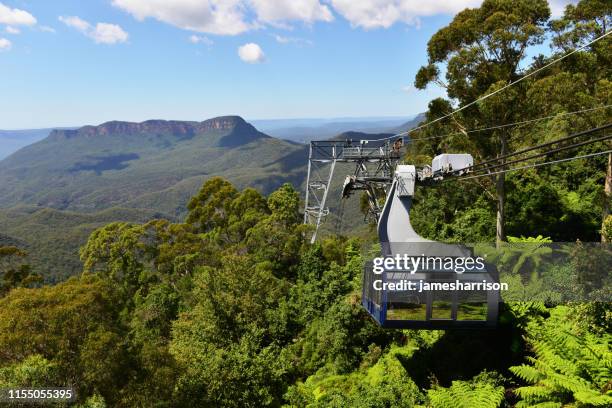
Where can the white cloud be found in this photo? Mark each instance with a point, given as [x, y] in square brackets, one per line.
[226, 17]
[5, 44]
[223, 17]
[105, 33]
[102, 33]
[370, 14]
[15, 16]
[12, 30]
[291, 40]
[251, 53]
[282, 40]
[47, 29]
[232, 17]
[76, 22]
[309, 11]
[199, 39]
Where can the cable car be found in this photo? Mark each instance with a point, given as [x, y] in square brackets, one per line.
[377, 168]
[434, 293]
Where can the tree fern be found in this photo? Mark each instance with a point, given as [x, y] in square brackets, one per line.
[568, 368]
[462, 394]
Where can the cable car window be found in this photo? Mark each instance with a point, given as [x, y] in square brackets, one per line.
[472, 306]
[442, 305]
[409, 308]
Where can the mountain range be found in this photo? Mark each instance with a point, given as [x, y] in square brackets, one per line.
[305, 130]
[55, 192]
[297, 130]
[154, 164]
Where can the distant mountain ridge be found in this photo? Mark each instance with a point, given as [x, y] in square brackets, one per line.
[303, 130]
[135, 164]
[54, 192]
[363, 136]
[242, 131]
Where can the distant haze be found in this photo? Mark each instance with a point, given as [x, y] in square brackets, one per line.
[13, 140]
[305, 130]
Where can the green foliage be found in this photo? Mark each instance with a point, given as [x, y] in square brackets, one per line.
[453, 213]
[320, 284]
[117, 252]
[568, 367]
[53, 237]
[592, 266]
[340, 339]
[381, 383]
[34, 371]
[483, 391]
[595, 317]
[15, 274]
[235, 376]
[534, 240]
[67, 331]
[479, 52]
[95, 401]
[210, 208]
[575, 216]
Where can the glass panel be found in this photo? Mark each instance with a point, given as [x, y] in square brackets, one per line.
[406, 306]
[370, 293]
[472, 306]
[406, 311]
[441, 306]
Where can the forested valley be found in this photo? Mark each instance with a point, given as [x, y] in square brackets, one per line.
[233, 307]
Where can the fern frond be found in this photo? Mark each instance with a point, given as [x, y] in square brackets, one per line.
[593, 398]
[526, 373]
[534, 391]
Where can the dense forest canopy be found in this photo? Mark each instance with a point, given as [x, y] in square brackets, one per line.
[235, 308]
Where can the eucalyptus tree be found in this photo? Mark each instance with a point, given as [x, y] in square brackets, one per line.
[479, 52]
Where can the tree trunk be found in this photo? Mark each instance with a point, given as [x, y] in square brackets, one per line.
[607, 195]
[500, 235]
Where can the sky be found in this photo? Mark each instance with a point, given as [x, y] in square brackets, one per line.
[75, 62]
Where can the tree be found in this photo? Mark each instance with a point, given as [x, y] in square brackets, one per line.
[32, 371]
[73, 327]
[226, 344]
[277, 238]
[211, 207]
[116, 251]
[15, 274]
[581, 24]
[482, 49]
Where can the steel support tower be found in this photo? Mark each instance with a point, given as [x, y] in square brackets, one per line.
[374, 162]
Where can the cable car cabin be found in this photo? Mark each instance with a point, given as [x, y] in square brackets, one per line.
[439, 292]
[402, 299]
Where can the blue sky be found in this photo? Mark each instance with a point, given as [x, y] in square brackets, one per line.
[69, 62]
